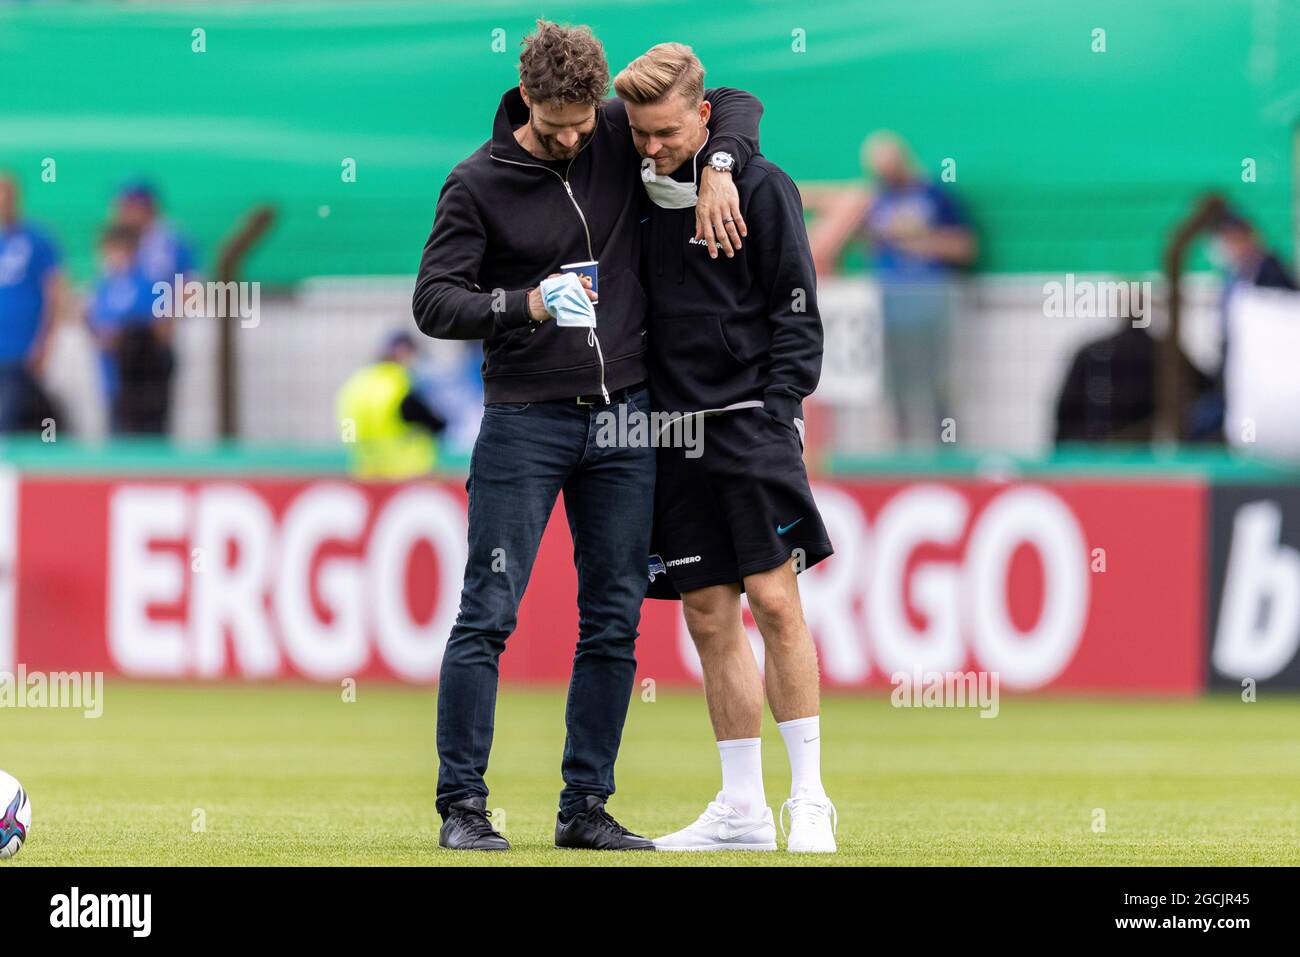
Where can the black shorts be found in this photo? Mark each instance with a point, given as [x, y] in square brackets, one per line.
[742, 506]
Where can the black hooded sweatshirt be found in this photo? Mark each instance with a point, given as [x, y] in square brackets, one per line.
[739, 332]
[506, 220]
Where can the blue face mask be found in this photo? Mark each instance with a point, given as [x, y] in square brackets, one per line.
[567, 301]
[666, 192]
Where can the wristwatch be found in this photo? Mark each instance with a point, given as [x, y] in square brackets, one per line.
[722, 162]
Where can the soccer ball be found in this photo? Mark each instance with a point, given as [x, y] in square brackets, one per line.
[15, 816]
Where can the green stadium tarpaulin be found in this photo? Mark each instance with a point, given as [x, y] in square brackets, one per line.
[1067, 158]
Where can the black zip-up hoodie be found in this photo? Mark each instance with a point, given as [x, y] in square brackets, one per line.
[730, 333]
[506, 220]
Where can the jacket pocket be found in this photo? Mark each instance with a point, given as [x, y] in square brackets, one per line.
[692, 342]
[726, 340]
[621, 325]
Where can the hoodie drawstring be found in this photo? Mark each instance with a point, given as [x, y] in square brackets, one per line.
[594, 340]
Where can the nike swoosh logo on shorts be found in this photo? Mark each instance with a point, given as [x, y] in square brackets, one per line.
[782, 529]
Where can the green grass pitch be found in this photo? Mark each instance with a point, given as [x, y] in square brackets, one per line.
[210, 774]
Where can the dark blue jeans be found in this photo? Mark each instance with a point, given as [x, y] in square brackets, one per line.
[526, 454]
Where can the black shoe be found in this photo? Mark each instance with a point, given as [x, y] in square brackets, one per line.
[465, 827]
[594, 830]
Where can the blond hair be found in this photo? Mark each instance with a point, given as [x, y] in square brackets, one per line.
[664, 69]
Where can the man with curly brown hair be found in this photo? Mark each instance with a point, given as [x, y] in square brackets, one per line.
[555, 188]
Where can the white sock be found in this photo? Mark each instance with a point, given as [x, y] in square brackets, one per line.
[803, 742]
[742, 775]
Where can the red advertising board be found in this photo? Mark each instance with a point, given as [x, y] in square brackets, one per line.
[1085, 586]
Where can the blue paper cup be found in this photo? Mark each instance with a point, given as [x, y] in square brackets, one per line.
[591, 270]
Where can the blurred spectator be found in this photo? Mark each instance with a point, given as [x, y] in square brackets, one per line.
[386, 423]
[454, 388]
[919, 238]
[30, 293]
[161, 253]
[1236, 247]
[136, 356]
[1109, 392]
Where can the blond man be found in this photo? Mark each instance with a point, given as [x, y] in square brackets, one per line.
[739, 342]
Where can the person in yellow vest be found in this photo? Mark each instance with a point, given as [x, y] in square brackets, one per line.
[389, 429]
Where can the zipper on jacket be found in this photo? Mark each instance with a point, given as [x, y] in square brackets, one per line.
[592, 338]
[574, 200]
[567, 188]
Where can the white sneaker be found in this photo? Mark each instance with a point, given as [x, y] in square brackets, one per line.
[723, 828]
[813, 822]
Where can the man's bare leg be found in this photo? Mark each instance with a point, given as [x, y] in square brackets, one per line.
[739, 819]
[731, 683]
[733, 690]
[790, 666]
[794, 691]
